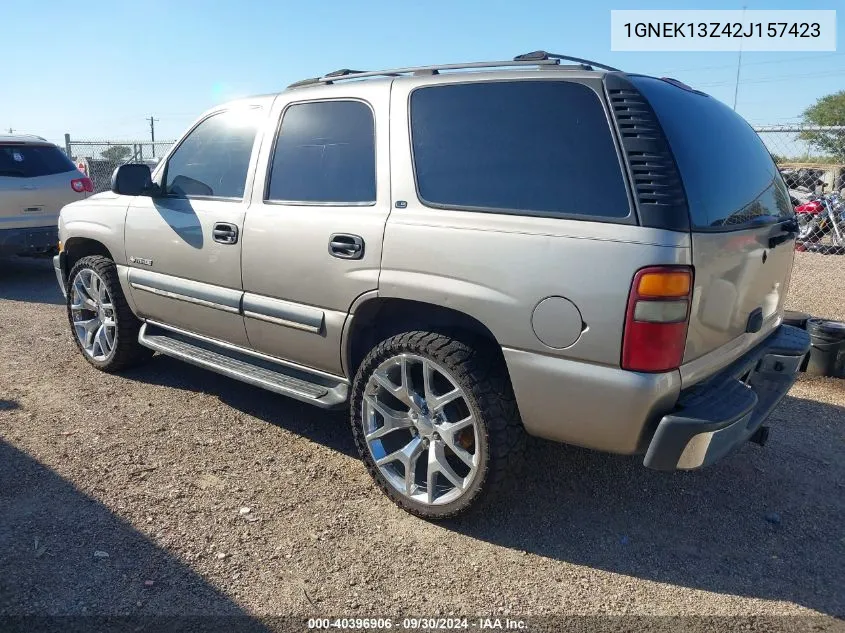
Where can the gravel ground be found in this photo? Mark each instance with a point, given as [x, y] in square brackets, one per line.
[171, 490]
[818, 286]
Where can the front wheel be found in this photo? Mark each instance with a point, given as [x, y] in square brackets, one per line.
[436, 422]
[807, 226]
[104, 328]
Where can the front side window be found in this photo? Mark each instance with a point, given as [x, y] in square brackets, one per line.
[325, 153]
[532, 147]
[213, 159]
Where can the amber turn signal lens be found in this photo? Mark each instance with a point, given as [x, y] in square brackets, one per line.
[668, 284]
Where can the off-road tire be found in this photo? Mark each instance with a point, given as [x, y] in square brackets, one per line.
[127, 351]
[479, 369]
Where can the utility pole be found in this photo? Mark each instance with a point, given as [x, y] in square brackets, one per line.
[153, 134]
[738, 66]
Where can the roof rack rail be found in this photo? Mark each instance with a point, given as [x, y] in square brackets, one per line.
[345, 73]
[304, 82]
[30, 136]
[537, 56]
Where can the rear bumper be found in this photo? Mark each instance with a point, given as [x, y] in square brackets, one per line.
[29, 241]
[595, 406]
[715, 417]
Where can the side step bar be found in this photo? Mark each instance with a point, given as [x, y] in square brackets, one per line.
[321, 390]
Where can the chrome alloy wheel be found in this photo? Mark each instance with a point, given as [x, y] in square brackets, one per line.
[420, 429]
[93, 315]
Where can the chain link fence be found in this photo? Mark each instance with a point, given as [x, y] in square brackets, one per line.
[811, 159]
[98, 159]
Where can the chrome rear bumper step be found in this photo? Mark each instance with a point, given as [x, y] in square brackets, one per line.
[319, 390]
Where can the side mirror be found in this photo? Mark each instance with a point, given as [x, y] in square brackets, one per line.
[132, 179]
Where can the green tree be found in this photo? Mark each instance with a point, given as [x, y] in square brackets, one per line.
[117, 152]
[829, 110]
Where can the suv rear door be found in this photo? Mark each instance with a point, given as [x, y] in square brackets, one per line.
[34, 184]
[737, 204]
[313, 233]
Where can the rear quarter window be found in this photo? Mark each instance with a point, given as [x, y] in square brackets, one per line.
[730, 179]
[530, 147]
[31, 161]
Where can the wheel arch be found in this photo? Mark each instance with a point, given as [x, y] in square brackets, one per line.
[376, 318]
[75, 248]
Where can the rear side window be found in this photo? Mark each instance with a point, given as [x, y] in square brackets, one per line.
[325, 153]
[730, 179]
[532, 147]
[213, 159]
[29, 161]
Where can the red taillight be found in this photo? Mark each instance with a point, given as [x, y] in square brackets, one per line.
[657, 318]
[82, 184]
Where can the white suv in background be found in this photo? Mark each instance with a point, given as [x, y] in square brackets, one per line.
[36, 181]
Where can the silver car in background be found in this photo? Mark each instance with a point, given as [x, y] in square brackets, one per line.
[36, 181]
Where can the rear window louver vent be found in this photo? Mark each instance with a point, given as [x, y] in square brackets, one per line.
[659, 192]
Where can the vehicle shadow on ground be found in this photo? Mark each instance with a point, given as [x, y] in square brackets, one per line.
[329, 428]
[30, 280]
[765, 523]
[65, 554]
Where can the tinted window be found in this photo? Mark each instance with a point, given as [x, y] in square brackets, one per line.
[729, 176]
[29, 161]
[529, 146]
[325, 152]
[213, 159]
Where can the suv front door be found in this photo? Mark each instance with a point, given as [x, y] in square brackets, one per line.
[313, 233]
[183, 247]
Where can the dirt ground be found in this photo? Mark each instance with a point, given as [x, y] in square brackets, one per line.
[171, 490]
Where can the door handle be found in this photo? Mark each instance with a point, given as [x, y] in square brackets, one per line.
[346, 246]
[225, 233]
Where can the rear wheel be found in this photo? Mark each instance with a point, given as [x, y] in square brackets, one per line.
[436, 422]
[103, 325]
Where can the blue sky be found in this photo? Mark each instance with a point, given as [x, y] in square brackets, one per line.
[96, 69]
